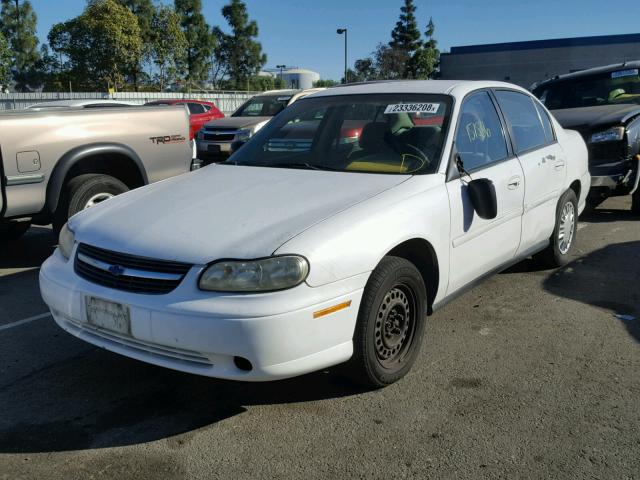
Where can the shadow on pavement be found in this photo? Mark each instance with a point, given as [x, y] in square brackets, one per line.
[608, 215]
[29, 251]
[96, 399]
[607, 278]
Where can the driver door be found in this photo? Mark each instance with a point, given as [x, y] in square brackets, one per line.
[479, 246]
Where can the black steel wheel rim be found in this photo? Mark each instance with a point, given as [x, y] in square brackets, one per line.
[395, 326]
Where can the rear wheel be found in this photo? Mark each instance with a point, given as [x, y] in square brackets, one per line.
[85, 191]
[11, 231]
[564, 235]
[390, 324]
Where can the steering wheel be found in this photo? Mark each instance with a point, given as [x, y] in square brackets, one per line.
[417, 159]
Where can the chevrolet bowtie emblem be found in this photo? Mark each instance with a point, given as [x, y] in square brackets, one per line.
[116, 270]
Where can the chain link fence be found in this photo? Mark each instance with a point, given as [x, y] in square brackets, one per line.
[228, 102]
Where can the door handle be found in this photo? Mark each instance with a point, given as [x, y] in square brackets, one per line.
[514, 182]
[559, 165]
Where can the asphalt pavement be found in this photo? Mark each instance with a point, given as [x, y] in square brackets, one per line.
[533, 374]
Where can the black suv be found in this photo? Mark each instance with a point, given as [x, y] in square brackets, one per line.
[603, 104]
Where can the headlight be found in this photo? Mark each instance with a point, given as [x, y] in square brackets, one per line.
[243, 135]
[267, 274]
[200, 135]
[611, 135]
[66, 241]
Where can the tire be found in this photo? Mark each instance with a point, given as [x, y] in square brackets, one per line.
[390, 325]
[635, 202]
[84, 191]
[12, 231]
[561, 243]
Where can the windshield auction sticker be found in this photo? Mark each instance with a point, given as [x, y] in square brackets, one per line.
[633, 72]
[412, 108]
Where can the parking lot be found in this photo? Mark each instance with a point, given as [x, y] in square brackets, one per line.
[532, 374]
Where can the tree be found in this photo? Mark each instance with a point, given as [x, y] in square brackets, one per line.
[391, 63]
[406, 35]
[144, 11]
[365, 69]
[18, 25]
[5, 63]
[98, 47]
[238, 50]
[168, 44]
[424, 61]
[200, 42]
[405, 56]
[324, 83]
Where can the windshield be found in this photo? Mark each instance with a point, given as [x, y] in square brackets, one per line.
[264, 106]
[610, 88]
[387, 133]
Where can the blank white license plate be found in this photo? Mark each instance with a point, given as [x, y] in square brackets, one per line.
[108, 315]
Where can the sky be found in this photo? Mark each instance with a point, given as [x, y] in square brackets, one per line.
[302, 33]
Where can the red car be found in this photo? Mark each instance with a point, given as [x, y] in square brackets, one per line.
[200, 112]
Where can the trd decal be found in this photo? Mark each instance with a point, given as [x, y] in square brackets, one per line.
[167, 139]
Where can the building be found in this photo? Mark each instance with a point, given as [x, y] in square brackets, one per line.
[524, 63]
[299, 78]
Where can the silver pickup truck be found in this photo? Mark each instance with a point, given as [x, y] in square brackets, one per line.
[56, 163]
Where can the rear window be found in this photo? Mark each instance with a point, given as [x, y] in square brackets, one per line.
[263, 106]
[195, 108]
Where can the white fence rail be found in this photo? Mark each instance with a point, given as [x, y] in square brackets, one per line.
[228, 102]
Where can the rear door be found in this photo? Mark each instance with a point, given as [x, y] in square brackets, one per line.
[542, 160]
[478, 246]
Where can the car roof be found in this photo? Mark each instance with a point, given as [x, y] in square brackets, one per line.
[178, 100]
[79, 103]
[590, 71]
[456, 88]
[278, 92]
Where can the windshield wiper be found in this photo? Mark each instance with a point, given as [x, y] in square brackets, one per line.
[305, 165]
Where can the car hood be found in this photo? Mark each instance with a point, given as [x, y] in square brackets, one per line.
[236, 122]
[223, 211]
[603, 115]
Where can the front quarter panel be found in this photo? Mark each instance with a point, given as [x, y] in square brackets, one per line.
[354, 241]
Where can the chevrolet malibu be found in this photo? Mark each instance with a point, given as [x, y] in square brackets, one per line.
[303, 251]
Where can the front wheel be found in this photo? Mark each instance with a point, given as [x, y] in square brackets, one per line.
[390, 324]
[85, 191]
[564, 235]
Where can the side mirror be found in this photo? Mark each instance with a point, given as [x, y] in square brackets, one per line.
[235, 146]
[483, 198]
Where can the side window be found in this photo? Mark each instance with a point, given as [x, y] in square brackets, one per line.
[480, 140]
[523, 118]
[206, 107]
[546, 124]
[195, 108]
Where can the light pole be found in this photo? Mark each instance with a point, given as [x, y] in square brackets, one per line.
[281, 67]
[340, 31]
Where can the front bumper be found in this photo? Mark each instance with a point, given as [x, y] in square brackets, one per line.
[211, 151]
[201, 332]
[621, 178]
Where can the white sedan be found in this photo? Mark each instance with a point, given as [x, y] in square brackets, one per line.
[328, 237]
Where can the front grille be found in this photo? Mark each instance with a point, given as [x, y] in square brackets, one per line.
[126, 272]
[219, 137]
[609, 152]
